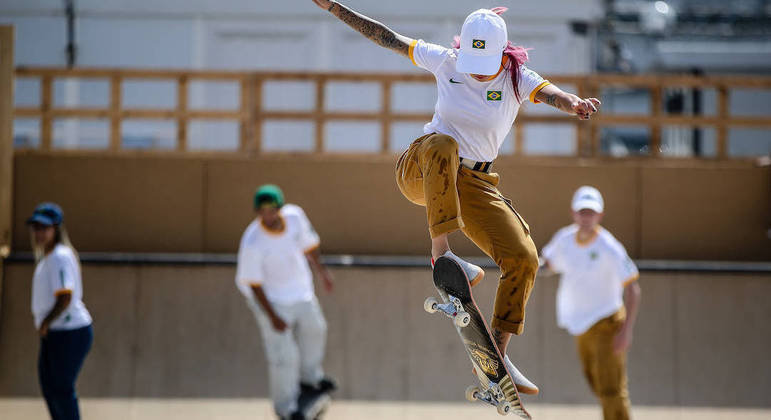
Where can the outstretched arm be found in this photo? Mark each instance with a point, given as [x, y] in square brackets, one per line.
[370, 28]
[567, 102]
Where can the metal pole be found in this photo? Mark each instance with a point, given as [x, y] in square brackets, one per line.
[698, 148]
[72, 49]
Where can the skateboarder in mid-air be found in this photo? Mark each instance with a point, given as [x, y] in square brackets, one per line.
[482, 81]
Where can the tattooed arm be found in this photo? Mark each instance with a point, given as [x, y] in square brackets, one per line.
[372, 29]
[567, 102]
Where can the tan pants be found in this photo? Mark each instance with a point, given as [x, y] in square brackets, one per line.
[604, 369]
[429, 174]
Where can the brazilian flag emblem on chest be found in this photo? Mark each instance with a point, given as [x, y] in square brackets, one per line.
[478, 44]
[494, 95]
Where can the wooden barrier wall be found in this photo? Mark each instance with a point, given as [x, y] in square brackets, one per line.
[148, 203]
[185, 331]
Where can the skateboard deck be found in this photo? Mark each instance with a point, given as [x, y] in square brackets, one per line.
[312, 403]
[495, 384]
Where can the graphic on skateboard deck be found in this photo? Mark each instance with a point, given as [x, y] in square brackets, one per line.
[495, 384]
[312, 403]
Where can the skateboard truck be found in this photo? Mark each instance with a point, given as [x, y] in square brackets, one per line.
[453, 309]
[493, 396]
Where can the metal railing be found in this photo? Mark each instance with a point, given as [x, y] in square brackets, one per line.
[251, 113]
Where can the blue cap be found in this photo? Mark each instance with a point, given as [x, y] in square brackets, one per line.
[48, 214]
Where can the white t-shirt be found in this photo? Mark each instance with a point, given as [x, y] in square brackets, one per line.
[276, 260]
[478, 115]
[593, 277]
[55, 273]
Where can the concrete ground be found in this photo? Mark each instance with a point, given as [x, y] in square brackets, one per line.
[252, 409]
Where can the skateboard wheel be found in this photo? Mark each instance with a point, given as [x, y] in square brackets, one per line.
[504, 407]
[462, 319]
[431, 305]
[472, 392]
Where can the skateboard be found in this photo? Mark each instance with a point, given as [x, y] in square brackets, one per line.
[495, 384]
[312, 403]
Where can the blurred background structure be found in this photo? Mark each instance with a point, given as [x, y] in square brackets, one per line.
[151, 123]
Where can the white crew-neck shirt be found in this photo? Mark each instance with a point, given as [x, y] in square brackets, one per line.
[57, 273]
[276, 260]
[593, 277]
[478, 115]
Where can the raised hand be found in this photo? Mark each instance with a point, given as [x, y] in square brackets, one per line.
[584, 108]
[324, 4]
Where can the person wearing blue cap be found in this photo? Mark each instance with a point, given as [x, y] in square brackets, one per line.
[275, 257]
[61, 318]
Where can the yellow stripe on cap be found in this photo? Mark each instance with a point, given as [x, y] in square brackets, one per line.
[538, 89]
[412, 51]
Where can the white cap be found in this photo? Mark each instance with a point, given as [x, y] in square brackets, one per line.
[482, 41]
[588, 197]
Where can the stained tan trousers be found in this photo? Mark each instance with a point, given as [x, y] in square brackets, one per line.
[604, 369]
[429, 174]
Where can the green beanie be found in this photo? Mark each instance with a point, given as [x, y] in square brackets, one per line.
[268, 194]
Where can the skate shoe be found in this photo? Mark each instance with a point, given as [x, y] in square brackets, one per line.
[473, 272]
[523, 384]
[326, 384]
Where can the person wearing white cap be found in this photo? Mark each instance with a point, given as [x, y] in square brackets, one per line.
[481, 82]
[597, 299]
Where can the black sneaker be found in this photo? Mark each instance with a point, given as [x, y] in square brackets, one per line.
[326, 384]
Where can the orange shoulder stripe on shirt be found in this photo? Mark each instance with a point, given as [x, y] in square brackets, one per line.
[412, 51]
[312, 248]
[62, 292]
[631, 280]
[538, 89]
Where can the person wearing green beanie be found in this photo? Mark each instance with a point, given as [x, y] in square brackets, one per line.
[276, 256]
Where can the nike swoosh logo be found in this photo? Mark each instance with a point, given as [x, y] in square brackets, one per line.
[453, 81]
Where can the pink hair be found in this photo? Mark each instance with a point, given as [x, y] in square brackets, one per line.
[517, 55]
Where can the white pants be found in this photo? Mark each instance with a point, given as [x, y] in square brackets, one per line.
[292, 361]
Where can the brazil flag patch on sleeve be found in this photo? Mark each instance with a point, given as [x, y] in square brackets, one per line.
[478, 44]
[494, 95]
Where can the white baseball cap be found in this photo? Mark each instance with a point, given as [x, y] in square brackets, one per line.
[482, 41]
[588, 197]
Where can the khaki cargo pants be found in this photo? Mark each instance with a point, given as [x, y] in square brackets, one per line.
[604, 369]
[429, 174]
